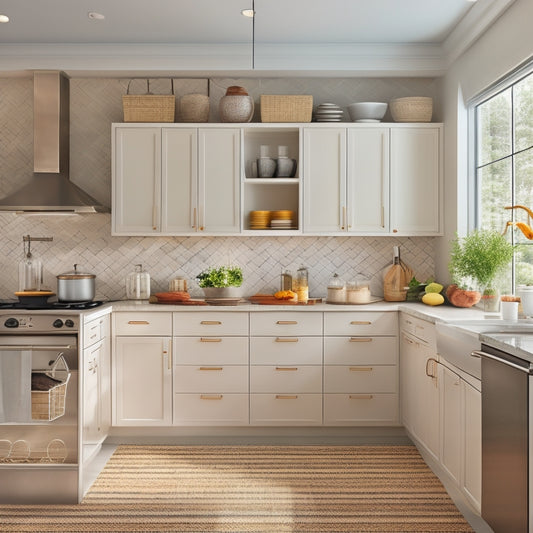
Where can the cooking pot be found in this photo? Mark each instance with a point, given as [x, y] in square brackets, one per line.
[75, 286]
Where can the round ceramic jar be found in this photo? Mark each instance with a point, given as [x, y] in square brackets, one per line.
[236, 108]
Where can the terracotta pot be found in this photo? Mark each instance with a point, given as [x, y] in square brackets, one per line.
[461, 298]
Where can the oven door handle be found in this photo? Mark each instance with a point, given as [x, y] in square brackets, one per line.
[478, 354]
[39, 347]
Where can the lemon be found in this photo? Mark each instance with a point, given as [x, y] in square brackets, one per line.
[434, 287]
[433, 298]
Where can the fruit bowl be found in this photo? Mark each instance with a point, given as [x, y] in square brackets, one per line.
[367, 111]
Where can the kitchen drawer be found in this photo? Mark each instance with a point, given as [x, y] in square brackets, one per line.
[211, 378]
[361, 323]
[286, 409]
[284, 378]
[211, 409]
[285, 323]
[360, 350]
[286, 350]
[94, 331]
[216, 323]
[210, 350]
[422, 329]
[147, 323]
[360, 409]
[360, 378]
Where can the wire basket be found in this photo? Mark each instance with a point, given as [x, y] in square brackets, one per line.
[412, 109]
[50, 404]
[149, 107]
[286, 107]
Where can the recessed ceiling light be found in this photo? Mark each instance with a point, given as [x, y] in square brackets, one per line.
[247, 13]
[4, 18]
[93, 15]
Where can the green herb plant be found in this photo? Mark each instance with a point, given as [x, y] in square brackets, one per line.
[223, 276]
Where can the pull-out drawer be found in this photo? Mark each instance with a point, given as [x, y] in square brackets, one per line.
[286, 350]
[211, 378]
[361, 323]
[421, 329]
[143, 323]
[286, 409]
[285, 323]
[360, 409]
[360, 350]
[360, 379]
[94, 331]
[211, 350]
[284, 378]
[211, 409]
[210, 323]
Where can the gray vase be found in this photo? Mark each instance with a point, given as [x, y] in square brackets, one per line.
[285, 167]
[266, 167]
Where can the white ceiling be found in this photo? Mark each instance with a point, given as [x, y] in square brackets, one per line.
[57, 33]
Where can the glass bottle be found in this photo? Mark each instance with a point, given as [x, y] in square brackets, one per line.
[336, 290]
[302, 285]
[138, 284]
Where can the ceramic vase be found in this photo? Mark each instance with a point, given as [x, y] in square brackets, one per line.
[236, 108]
[285, 166]
[194, 108]
[266, 166]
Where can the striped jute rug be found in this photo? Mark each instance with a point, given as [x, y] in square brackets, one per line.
[254, 489]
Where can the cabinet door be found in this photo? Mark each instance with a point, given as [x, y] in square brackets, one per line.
[179, 180]
[472, 442]
[368, 180]
[137, 181]
[142, 381]
[324, 180]
[92, 407]
[415, 166]
[219, 180]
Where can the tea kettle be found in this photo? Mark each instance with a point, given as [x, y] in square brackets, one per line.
[138, 284]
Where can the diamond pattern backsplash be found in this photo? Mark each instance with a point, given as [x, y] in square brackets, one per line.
[86, 239]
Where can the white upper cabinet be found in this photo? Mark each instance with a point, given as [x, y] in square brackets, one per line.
[416, 180]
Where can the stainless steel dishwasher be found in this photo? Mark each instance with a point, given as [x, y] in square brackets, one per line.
[506, 419]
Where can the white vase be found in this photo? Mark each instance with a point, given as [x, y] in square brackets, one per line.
[236, 108]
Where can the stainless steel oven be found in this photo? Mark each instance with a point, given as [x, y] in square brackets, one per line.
[39, 436]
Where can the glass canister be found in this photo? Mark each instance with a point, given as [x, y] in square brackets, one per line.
[358, 290]
[336, 290]
[30, 268]
[302, 285]
[138, 284]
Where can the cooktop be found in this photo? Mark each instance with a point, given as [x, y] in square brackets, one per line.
[15, 304]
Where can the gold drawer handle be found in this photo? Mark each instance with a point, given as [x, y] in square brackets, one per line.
[211, 396]
[361, 369]
[210, 322]
[287, 322]
[286, 397]
[285, 339]
[360, 322]
[138, 322]
[360, 339]
[210, 339]
[361, 396]
[287, 368]
[210, 368]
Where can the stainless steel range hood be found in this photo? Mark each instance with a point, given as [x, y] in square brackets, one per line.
[50, 190]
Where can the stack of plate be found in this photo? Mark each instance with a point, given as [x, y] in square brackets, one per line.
[281, 219]
[259, 219]
[328, 113]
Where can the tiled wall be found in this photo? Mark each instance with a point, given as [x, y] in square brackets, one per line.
[86, 239]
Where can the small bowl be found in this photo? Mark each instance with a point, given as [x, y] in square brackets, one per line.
[367, 111]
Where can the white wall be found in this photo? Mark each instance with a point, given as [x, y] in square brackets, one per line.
[507, 44]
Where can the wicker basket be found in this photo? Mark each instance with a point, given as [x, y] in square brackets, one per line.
[412, 109]
[286, 108]
[50, 404]
[149, 107]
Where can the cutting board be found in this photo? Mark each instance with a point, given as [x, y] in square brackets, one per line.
[153, 300]
[267, 299]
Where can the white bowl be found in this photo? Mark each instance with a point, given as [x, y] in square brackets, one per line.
[367, 111]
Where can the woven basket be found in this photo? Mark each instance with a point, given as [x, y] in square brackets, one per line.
[149, 107]
[50, 404]
[286, 107]
[412, 109]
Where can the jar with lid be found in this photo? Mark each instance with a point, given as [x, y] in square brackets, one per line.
[336, 290]
[358, 290]
[302, 285]
[138, 284]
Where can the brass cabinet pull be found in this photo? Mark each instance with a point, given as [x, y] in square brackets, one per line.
[343, 217]
[360, 339]
[287, 322]
[286, 396]
[361, 396]
[360, 322]
[361, 369]
[138, 322]
[210, 368]
[210, 339]
[287, 368]
[194, 218]
[211, 396]
[210, 322]
[434, 364]
[285, 339]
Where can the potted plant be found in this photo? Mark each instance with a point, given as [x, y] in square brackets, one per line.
[475, 262]
[221, 282]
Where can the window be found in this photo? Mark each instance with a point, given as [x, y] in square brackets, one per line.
[503, 154]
